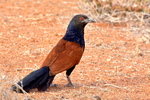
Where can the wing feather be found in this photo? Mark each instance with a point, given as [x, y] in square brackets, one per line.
[63, 56]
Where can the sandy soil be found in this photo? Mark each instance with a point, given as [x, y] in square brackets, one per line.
[115, 64]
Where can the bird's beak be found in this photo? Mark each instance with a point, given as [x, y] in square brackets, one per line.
[89, 20]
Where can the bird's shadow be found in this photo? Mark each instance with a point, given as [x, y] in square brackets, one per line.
[61, 87]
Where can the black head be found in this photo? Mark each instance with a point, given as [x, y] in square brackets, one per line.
[81, 20]
[75, 30]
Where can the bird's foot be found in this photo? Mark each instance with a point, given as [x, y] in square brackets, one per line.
[53, 85]
[69, 85]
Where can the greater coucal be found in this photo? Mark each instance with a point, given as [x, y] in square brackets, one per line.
[63, 57]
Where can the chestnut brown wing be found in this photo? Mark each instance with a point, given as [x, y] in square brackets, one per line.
[63, 56]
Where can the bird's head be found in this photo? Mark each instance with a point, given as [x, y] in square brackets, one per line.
[75, 30]
[81, 20]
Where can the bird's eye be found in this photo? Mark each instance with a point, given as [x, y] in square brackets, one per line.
[81, 18]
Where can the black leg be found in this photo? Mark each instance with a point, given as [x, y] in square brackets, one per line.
[68, 72]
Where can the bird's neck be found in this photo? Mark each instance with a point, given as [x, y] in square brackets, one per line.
[75, 34]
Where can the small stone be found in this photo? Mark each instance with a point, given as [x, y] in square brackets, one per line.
[97, 97]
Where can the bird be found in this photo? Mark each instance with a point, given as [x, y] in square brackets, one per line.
[63, 57]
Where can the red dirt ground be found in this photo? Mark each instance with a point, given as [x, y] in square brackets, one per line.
[115, 64]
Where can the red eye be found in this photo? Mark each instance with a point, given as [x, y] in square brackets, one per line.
[81, 18]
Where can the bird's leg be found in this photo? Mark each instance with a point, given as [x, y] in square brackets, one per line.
[53, 85]
[68, 78]
[70, 84]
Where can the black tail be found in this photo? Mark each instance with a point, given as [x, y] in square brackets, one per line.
[37, 79]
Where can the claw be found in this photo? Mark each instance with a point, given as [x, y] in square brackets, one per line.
[53, 85]
[69, 85]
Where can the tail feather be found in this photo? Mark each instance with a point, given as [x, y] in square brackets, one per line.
[46, 84]
[38, 78]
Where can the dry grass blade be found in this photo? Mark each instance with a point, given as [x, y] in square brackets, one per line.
[26, 95]
[115, 86]
[24, 92]
[131, 13]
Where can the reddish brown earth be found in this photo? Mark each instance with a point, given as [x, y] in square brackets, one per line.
[115, 64]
